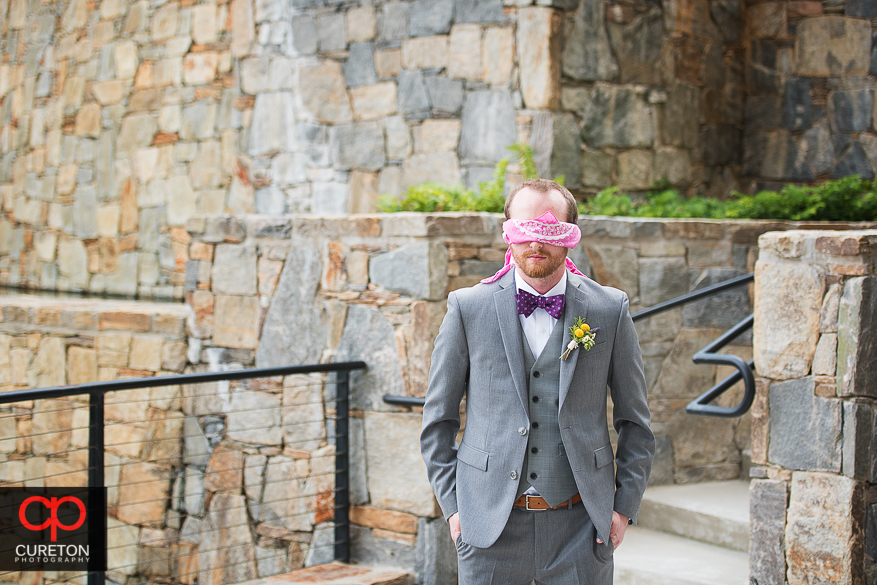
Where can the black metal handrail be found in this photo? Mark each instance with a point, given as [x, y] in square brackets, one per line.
[706, 355]
[96, 465]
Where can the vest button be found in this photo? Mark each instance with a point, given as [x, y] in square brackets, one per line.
[535, 399]
[534, 450]
[536, 374]
[522, 431]
[535, 425]
[533, 476]
[514, 475]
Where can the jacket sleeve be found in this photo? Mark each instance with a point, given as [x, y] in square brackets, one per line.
[448, 376]
[636, 442]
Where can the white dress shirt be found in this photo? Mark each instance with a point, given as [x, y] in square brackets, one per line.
[538, 326]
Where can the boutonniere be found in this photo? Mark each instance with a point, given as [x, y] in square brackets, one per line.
[582, 334]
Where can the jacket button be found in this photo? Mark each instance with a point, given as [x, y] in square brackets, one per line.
[536, 374]
[514, 475]
[533, 476]
[535, 399]
[522, 431]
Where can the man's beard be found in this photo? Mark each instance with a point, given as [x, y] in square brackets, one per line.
[552, 262]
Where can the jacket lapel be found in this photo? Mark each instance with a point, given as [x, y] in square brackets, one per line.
[576, 306]
[512, 338]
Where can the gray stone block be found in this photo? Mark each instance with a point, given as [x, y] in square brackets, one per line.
[478, 11]
[85, 212]
[618, 116]
[637, 48]
[445, 95]
[304, 34]
[482, 268]
[873, 67]
[435, 553]
[762, 66]
[661, 279]
[234, 270]
[853, 162]
[332, 31]
[728, 16]
[819, 147]
[850, 110]
[871, 532]
[767, 525]
[857, 338]
[393, 21]
[294, 331]
[762, 113]
[797, 104]
[357, 146]
[488, 126]
[858, 436]
[720, 145]
[270, 200]
[359, 69]
[587, 55]
[566, 150]
[368, 336]
[412, 93]
[417, 270]
[861, 8]
[367, 549]
[722, 310]
[805, 430]
[430, 17]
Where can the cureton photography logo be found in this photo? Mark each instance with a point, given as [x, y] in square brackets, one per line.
[48, 529]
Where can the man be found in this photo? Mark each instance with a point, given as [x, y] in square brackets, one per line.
[531, 492]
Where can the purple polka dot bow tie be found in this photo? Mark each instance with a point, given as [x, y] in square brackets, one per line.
[527, 303]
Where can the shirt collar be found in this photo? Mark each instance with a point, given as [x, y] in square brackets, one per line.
[557, 289]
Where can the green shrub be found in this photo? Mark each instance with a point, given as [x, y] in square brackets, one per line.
[489, 196]
[847, 199]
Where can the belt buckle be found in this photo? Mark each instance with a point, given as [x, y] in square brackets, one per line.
[527, 504]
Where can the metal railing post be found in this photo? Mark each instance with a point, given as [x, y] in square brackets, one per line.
[342, 467]
[97, 523]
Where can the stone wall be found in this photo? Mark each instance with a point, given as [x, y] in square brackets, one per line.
[52, 342]
[812, 500]
[810, 106]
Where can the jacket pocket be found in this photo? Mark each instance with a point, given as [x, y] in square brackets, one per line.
[473, 457]
[603, 456]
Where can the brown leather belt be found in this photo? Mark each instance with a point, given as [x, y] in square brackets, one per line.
[539, 503]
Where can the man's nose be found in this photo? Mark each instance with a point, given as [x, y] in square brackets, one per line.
[536, 245]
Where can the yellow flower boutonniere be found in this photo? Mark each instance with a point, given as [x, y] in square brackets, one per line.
[582, 334]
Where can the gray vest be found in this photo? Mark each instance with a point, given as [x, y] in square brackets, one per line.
[546, 466]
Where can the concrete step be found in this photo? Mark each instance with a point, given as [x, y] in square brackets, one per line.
[339, 574]
[648, 557]
[716, 513]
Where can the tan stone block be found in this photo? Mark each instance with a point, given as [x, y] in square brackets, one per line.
[52, 426]
[44, 244]
[173, 356]
[464, 52]
[204, 25]
[124, 320]
[538, 44]
[66, 473]
[372, 102]
[200, 320]
[125, 54]
[388, 63]
[171, 324]
[108, 221]
[224, 470]
[88, 121]
[361, 24]
[436, 136]
[170, 71]
[269, 273]
[635, 169]
[145, 75]
[108, 92]
[323, 92]
[164, 21]
[19, 360]
[112, 349]
[146, 352]
[201, 251]
[243, 27]
[236, 322]
[163, 438]
[498, 55]
[826, 386]
[200, 68]
[127, 405]
[124, 439]
[828, 46]
[386, 519]
[49, 366]
[65, 182]
[81, 365]
[143, 492]
[425, 52]
[363, 191]
[129, 214]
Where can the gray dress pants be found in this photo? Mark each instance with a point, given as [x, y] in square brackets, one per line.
[550, 547]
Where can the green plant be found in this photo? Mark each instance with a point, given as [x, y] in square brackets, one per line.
[489, 196]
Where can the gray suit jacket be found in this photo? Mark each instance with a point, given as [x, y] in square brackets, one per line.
[479, 352]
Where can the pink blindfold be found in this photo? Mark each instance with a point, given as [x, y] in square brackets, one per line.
[545, 229]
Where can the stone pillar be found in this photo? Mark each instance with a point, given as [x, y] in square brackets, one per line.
[815, 345]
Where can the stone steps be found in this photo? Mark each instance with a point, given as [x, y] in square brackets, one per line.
[648, 557]
[339, 574]
[694, 534]
[715, 513]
